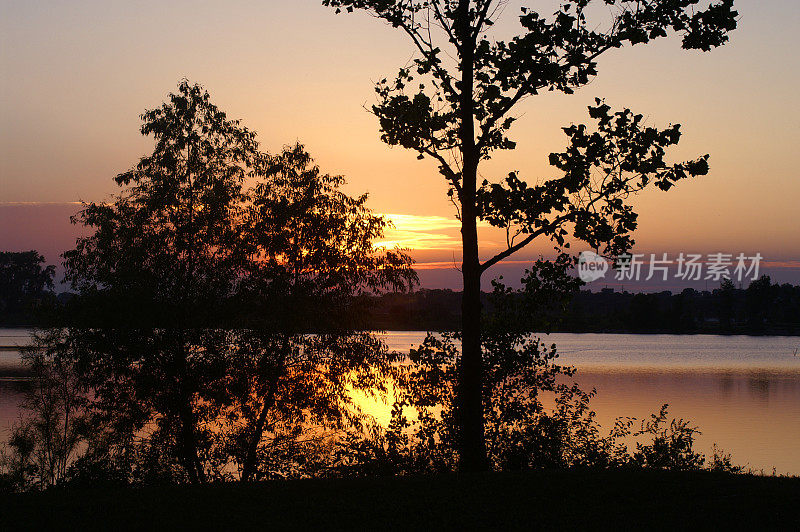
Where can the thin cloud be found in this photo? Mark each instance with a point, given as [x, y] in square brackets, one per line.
[427, 233]
[421, 232]
[37, 203]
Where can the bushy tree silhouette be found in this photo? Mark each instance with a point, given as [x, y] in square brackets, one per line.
[197, 290]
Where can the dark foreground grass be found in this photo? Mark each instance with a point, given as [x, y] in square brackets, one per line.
[561, 500]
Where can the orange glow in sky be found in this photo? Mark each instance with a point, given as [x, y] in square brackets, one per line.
[77, 75]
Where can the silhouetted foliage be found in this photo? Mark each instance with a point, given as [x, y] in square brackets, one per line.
[454, 104]
[536, 415]
[672, 444]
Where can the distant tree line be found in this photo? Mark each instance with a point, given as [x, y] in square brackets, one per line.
[26, 289]
[762, 308]
[27, 299]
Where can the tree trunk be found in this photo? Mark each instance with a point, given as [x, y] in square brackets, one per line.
[191, 460]
[251, 458]
[469, 408]
[473, 445]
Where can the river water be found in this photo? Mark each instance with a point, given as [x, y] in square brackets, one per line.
[743, 392]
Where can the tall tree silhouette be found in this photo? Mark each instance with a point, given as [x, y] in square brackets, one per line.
[164, 253]
[461, 112]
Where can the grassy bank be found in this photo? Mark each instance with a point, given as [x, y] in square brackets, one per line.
[518, 501]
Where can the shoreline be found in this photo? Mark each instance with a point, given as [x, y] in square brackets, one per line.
[571, 499]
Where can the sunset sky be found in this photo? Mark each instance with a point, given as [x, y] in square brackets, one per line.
[74, 77]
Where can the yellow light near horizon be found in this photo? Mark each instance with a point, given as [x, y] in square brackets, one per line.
[374, 405]
[420, 232]
[411, 222]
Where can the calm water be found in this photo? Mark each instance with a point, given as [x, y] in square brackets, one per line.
[743, 392]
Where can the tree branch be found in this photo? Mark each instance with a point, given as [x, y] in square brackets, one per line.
[421, 44]
[445, 168]
[482, 18]
[510, 251]
[441, 19]
[526, 90]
